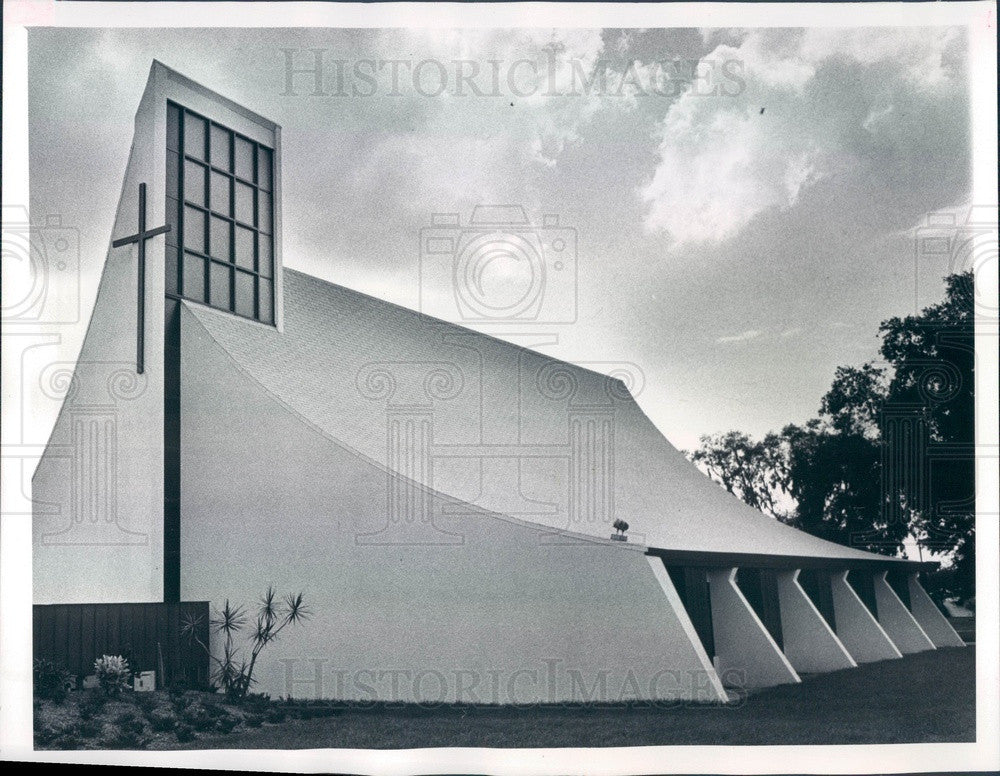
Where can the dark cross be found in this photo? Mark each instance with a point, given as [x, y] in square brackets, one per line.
[140, 238]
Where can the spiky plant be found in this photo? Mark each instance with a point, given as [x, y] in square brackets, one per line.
[234, 673]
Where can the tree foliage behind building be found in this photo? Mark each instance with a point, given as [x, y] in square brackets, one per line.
[890, 455]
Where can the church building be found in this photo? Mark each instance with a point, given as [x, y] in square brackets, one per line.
[468, 519]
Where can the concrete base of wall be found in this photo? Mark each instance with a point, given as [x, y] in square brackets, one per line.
[809, 643]
[745, 653]
[857, 629]
[896, 619]
[926, 613]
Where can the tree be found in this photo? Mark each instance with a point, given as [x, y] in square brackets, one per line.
[837, 472]
[752, 471]
[933, 357]
[233, 671]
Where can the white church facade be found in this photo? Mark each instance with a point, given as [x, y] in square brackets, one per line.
[445, 500]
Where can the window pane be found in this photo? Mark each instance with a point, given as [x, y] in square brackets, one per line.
[220, 193]
[219, 240]
[244, 293]
[264, 255]
[264, 211]
[264, 167]
[219, 284]
[244, 203]
[173, 128]
[194, 277]
[243, 155]
[194, 229]
[194, 183]
[220, 148]
[264, 301]
[172, 236]
[194, 136]
[244, 248]
[172, 279]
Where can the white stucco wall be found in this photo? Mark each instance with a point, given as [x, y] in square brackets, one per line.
[97, 492]
[470, 608]
[98, 489]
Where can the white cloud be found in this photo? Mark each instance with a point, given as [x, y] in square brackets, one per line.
[743, 336]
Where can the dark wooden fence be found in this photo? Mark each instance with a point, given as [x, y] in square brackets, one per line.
[148, 634]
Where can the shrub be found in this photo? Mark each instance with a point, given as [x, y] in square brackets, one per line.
[89, 729]
[226, 724]
[90, 705]
[275, 714]
[197, 717]
[68, 740]
[162, 720]
[113, 673]
[257, 701]
[50, 680]
[126, 731]
[253, 720]
[45, 732]
[184, 732]
[145, 701]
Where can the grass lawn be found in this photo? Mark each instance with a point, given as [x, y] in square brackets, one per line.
[927, 697]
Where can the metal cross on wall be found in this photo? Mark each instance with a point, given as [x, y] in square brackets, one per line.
[140, 238]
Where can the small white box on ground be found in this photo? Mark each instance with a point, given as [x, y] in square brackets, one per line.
[145, 681]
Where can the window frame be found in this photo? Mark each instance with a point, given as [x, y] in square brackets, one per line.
[262, 278]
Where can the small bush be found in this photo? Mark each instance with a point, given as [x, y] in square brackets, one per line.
[226, 724]
[46, 732]
[162, 720]
[257, 701]
[197, 717]
[184, 732]
[68, 740]
[50, 680]
[215, 710]
[275, 714]
[90, 729]
[90, 705]
[145, 701]
[113, 673]
[253, 720]
[127, 731]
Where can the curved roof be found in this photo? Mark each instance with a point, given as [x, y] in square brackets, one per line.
[492, 424]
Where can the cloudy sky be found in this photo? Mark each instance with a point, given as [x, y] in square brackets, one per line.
[743, 200]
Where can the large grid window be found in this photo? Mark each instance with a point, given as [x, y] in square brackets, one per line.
[221, 211]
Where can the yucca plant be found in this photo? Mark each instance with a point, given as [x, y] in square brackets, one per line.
[233, 671]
